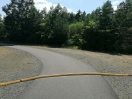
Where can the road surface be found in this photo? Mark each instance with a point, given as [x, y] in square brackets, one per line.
[81, 87]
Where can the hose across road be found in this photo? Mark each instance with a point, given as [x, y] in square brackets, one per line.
[61, 75]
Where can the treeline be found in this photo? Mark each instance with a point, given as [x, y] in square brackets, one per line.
[102, 30]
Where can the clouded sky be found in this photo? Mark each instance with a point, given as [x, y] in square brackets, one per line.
[71, 5]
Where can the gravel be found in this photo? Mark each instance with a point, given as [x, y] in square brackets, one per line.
[16, 64]
[104, 62]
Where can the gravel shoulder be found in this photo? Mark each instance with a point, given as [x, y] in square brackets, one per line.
[16, 64]
[103, 62]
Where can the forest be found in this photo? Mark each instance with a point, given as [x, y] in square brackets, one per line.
[102, 30]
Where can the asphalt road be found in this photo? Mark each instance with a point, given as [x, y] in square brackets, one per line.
[81, 87]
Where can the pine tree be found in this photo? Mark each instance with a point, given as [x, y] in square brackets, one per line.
[21, 20]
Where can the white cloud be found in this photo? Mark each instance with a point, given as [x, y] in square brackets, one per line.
[115, 2]
[69, 10]
[2, 17]
[40, 4]
[115, 8]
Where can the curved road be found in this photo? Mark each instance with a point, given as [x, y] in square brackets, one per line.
[81, 87]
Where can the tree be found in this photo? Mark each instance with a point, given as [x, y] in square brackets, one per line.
[106, 17]
[78, 15]
[83, 16]
[21, 21]
[56, 26]
[1, 28]
[98, 16]
[123, 23]
[87, 19]
[71, 18]
[75, 36]
[93, 16]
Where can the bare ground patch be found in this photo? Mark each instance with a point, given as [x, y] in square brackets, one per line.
[16, 64]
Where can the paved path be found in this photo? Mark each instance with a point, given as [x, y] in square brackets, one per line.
[81, 87]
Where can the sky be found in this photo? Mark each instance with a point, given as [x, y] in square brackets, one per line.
[72, 5]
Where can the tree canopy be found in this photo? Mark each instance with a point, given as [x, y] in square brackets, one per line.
[104, 29]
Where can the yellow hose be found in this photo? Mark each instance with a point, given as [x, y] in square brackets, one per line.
[60, 75]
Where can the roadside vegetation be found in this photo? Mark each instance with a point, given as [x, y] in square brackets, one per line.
[103, 30]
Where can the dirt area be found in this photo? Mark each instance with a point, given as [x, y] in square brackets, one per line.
[104, 62]
[16, 64]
